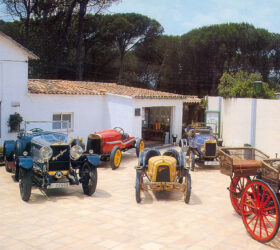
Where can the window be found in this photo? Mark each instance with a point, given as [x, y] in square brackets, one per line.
[62, 119]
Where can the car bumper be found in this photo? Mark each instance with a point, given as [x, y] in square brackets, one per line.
[164, 186]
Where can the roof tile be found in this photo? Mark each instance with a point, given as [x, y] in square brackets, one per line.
[58, 87]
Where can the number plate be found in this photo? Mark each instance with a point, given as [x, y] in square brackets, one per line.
[211, 163]
[58, 185]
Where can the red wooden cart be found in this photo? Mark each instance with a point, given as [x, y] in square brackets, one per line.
[254, 189]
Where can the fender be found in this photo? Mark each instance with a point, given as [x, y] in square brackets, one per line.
[9, 149]
[93, 159]
[25, 162]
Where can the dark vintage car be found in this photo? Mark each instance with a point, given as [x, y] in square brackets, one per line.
[44, 158]
[203, 144]
[110, 143]
[165, 172]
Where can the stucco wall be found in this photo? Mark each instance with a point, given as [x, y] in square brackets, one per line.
[119, 112]
[88, 117]
[176, 114]
[236, 121]
[268, 126]
[13, 83]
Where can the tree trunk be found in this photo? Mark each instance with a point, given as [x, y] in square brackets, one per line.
[63, 37]
[214, 76]
[79, 52]
[121, 66]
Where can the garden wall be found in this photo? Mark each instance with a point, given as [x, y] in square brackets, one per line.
[249, 121]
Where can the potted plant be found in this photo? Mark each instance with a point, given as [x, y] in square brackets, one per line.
[14, 122]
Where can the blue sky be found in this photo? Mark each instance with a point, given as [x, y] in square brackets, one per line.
[180, 16]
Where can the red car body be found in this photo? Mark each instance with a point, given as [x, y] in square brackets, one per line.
[111, 137]
[110, 142]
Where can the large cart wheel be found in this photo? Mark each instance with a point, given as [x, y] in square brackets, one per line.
[140, 146]
[25, 184]
[188, 183]
[236, 189]
[139, 181]
[89, 180]
[115, 157]
[192, 160]
[260, 211]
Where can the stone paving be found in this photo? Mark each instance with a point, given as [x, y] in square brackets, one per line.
[111, 218]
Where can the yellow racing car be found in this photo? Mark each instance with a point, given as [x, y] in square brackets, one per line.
[165, 172]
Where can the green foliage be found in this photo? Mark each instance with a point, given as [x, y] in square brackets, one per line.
[241, 84]
[14, 120]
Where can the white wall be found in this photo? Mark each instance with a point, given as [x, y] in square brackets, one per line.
[13, 83]
[88, 114]
[268, 126]
[10, 52]
[236, 121]
[119, 112]
[237, 124]
[176, 116]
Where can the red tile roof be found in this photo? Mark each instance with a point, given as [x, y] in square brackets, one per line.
[43, 86]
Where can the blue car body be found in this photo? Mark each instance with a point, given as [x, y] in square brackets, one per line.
[53, 162]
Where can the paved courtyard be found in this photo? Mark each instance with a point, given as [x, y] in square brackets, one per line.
[111, 218]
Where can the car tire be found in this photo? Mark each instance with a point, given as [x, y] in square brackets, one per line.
[6, 165]
[25, 184]
[17, 173]
[115, 157]
[139, 181]
[192, 160]
[90, 181]
[140, 146]
[188, 182]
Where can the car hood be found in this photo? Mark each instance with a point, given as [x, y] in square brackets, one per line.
[49, 139]
[200, 139]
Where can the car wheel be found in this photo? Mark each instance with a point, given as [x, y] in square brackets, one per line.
[139, 181]
[140, 146]
[188, 183]
[192, 160]
[90, 181]
[6, 165]
[16, 172]
[25, 184]
[115, 157]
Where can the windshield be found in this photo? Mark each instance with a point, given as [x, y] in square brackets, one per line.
[57, 130]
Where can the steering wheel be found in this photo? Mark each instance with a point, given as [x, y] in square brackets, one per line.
[119, 130]
[36, 130]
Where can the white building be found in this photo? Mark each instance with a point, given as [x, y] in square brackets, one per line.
[88, 106]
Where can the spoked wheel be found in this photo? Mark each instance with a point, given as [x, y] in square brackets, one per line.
[115, 157]
[25, 184]
[89, 180]
[260, 211]
[139, 181]
[192, 160]
[187, 193]
[236, 189]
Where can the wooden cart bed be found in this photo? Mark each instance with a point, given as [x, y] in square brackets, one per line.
[241, 161]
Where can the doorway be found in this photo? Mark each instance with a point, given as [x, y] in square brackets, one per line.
[156, 125]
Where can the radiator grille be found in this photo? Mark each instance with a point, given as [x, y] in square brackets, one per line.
[60, 159]
[210, 149]
[163, 174]
[95, 145]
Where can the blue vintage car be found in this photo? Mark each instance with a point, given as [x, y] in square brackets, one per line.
[202, 145]
[43, 157]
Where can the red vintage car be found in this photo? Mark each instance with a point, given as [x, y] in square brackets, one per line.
[110, 142]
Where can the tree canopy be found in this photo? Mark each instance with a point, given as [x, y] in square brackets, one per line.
[130, 48]
[242, 84]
